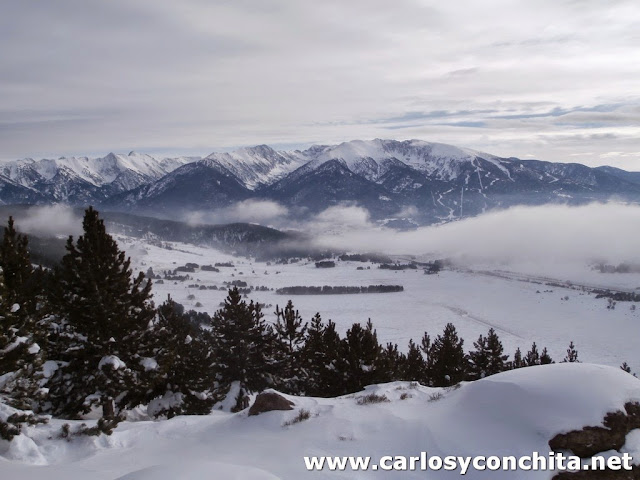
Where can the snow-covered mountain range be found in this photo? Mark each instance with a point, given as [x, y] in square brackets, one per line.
[433, 181]
[79, 180]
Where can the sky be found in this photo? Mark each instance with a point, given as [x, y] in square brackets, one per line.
[552, 79]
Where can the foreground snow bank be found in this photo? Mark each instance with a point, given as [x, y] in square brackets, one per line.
[513, 413]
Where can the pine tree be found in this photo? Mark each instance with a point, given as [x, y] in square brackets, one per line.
[16, 266]
[425, 346]
[333, 377]
[322, 359]
[21, 312]
[182, 364]
[414, 366]
[532, 357]
[447, 355]
[102, 316]
[362, 354]
[626, 368]
[243, 345]
[314, 356]
[290, 337]
[518, 362]
[545, 358]
[394, 364]
[479, 358]
[497, 361]
[572, 354]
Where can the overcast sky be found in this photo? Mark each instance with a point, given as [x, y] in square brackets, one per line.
[551, 79]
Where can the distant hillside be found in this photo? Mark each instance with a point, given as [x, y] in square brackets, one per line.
[239, 238]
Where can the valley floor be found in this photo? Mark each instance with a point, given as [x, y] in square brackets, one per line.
[474, 299]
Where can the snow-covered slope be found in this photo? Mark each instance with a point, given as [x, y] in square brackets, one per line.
[371, 158]
[84, 176]
[259, 165]
[513, 413]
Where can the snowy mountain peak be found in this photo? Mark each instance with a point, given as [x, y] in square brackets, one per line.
[259, 165]
[85, 176]
[439, 182]
[372, 158]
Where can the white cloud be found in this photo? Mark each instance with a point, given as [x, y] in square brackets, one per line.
[265, 212]
[53, 220]
[340, 217]
[545, 235]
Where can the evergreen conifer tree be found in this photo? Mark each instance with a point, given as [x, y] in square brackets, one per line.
[425, 346]
[414, 366]
[102, 316]
[182, 364]
[333, 374]
[517, 362]
[21, 312]
[572, 354]
[393, 363]
[243, 346]
[362, 355]
[290, 337]
[479, 358]
[626, 368]
[532, 357]
[322, 359]
[545, 358]
[497, 361]
[447, 355]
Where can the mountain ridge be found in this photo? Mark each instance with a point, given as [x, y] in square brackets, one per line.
[438, 182]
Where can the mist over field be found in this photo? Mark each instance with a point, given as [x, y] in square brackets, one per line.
[548, 234]
[50, 220]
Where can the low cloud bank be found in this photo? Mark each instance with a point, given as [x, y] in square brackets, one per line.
[549, 234]
[264, 212]
[607, 232]
[50, 220]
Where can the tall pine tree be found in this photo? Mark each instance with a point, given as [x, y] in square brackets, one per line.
[181, 364]
[447, 355]
[323, 360]
[479, 359]
[290, 337]
[103, 313]
[497, 360]
[243, 346]
[414, 365]
[362, 354]
[21, 312]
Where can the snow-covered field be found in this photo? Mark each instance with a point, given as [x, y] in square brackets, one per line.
[473, 300]
[513, 413]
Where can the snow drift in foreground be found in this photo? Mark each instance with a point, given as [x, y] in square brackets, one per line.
[512, 413]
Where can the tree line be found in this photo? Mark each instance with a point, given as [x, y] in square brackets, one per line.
[86, 335]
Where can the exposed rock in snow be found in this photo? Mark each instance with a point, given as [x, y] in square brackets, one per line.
[269, 401]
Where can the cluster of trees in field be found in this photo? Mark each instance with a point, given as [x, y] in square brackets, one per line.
[338, 290]
[86, 335]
